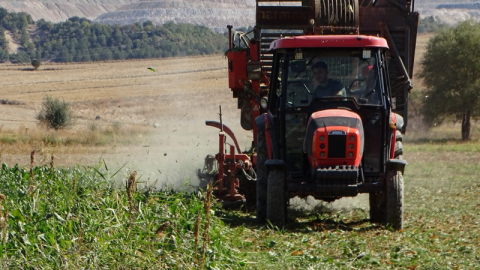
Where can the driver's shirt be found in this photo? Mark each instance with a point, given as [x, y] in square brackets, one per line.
[333, 88]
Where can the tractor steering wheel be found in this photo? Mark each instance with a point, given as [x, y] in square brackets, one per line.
[356, 80]
[295, 87]
[303, 85]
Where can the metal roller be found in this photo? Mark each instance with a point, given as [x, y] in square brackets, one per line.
[337, 15]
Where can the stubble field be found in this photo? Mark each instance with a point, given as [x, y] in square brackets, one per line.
[154, 122]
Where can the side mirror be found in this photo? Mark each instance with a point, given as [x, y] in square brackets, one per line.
[298, 66]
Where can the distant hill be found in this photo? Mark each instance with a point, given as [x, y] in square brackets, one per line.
[448, 11]
[60, 10]
[215, 14]
[81, 40]
[432, 4]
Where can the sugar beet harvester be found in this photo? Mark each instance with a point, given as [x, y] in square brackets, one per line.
[323, 85]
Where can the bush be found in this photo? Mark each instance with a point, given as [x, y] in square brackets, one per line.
[55, 114]
[36, 63]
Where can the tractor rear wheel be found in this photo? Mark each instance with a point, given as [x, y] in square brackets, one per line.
[399, 136]
[262, 177]
[276, 199]
[394, 200]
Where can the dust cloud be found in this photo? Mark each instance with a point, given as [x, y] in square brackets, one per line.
[311, 206]
[178, 139]
[177, 146]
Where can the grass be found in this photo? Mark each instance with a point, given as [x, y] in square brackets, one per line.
[92, 135]
[80, 218]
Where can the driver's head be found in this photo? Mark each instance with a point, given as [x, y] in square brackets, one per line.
[320, 72]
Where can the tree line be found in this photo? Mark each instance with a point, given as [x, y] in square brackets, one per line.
[81, 40]
[431, 24]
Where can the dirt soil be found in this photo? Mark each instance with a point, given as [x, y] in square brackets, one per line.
[13, 45]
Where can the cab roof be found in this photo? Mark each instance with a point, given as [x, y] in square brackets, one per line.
[330, 41]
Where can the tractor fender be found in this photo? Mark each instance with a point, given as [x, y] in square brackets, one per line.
[266, 122]
[396, 165]
[275, 164]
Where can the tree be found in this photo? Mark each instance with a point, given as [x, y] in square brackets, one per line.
[79, 39]
[431, 24]
[451, 66]
[55, 114]
[36, 63]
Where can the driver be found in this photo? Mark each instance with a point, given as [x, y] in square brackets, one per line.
[324, 86]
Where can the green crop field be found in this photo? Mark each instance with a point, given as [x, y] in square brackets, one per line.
[84, 218]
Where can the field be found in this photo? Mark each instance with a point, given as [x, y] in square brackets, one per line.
[69, 216]
[153, 121]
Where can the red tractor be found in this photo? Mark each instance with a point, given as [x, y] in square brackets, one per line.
[324, 86]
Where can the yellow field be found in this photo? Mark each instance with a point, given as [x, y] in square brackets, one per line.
[165, 111]
[422, 40]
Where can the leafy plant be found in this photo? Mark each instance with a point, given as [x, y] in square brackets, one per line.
[80, 218]
[431, 24]
[450, 73]
[55, 114]
[36, 63]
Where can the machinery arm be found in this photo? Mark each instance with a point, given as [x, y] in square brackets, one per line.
[226, 130]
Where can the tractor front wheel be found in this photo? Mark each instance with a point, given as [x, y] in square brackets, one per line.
[276, 199]
[387, 206]
[394, 200]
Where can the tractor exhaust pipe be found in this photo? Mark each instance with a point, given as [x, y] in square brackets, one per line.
[229, 36]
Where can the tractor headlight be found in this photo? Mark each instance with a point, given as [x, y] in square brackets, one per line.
[264, 103]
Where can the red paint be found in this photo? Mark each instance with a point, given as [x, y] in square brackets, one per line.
[237, 68]
[334, 113]
[316, 159]
[226, 130]
[329, 41]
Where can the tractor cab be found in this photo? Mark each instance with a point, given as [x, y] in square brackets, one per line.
[351, 90]
[329, 130]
